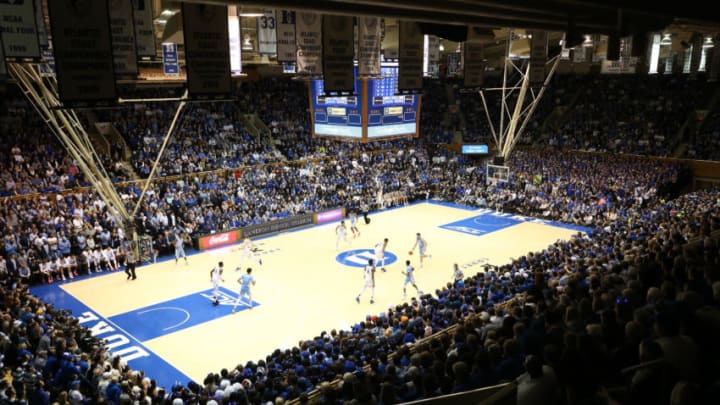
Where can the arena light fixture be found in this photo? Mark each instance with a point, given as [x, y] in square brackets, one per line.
[588, 42]
[666, 40]
[708, 42]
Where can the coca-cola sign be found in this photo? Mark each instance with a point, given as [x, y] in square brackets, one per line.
[218, 239]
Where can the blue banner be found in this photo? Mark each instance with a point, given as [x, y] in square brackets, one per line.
[171, 67]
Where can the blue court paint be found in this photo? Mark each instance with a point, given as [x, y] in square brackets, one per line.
[491, 221]
[360, 257]
[180, 313]
[118, 340]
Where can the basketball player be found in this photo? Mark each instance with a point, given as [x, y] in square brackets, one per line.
[246, 281]
[458, 275]
[421, 244]
[380, 254]
[216, 278]
[369, 277]
[353, 225]
[409, 274]
[341, 233]
[180, 249]
[248, 252]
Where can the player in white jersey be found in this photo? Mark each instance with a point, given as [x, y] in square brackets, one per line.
[248, 251]
[458, 276]
[369, 278]
[409, 274]
[216, 279]
[180, 249]
[380, 254]
[353, 224]
[341, 233]
[110, 258]
[421, 244]
[246, 281]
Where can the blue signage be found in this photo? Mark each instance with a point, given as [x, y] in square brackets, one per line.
[474, 149]
[171, 67]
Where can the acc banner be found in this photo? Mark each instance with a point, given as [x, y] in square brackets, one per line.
[538, 56]
[473, 59]
[369, 39]
[308, 34]
[234, 43]
[207, 56]
[144, 34]
[267, 33]
[123, 37]
[19, 30]
[338, 38]
[410, 69]
[83, 52]
[286, 45]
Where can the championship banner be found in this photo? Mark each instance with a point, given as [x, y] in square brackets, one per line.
[144, 32]
[40, 24]
[369, 40]
[234, 40]
[285, 36]
[473, 61]
[18, 29]
[338, 39]
[267, 33]
[47, 67]
[171, 67]
[123, 37]
[308, 35]
[207, 56]
[83, 52]
[538, 56]
[410, 58]
[453, 62]
[431, 56]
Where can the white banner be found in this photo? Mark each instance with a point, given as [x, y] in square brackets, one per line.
[40, 24]
[432, 68]
[83, 52]
[207, 56]
[410, 58]
[234, 40]
[123, 37]
[473, 60]
[267, 33]
[538, 56]
[286, 45]
[338, 39]
[308, 35]
[369, 37]
[18, 29]
[144, 32]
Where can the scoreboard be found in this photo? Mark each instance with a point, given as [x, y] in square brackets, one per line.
[374, 111]
[339, 116]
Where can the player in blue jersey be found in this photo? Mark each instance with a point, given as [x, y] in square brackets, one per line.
[421, 244]
[409, 274]
[180, 249]
[353, 224]
[246, 281]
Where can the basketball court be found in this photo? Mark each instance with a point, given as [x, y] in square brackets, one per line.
[165, 324]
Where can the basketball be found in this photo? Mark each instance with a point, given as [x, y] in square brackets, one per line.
[410, 253]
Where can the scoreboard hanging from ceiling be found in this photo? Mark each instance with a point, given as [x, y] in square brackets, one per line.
[373, 111]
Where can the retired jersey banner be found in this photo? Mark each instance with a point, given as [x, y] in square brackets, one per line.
[234, 40]
[538, 56]
[410, 58]
[83, 52]
[144, 32]
[267, 33]
[473, 59]
[308, 35]
[171, 67]
[369, 40]
[285, 36]
[123, 37]
[18, 29]
[207, 55]
[431, 55]
[338, 48]
[453, 63]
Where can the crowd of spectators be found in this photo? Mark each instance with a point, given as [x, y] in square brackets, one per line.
[629, 292]
[705, 145]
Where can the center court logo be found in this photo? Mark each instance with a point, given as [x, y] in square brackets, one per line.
[360, 257]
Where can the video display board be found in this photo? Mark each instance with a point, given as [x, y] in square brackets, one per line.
[390, 114]
[339, 116]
